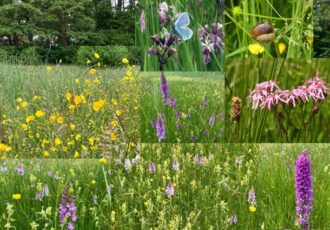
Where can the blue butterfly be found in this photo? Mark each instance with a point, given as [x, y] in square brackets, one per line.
[180, 27]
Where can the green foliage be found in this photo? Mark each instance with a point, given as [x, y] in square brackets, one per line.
[55, 54]
[52, 23]
[110, 55]
[292, 22]
[321, 28]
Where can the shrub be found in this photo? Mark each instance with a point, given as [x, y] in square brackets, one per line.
[109, 55]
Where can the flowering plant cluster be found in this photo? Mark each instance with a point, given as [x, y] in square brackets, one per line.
[165, 40]
[211, 39]
[268, 94]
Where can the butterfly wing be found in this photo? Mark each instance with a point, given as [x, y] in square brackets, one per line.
[180, 27]
[183, 20]
[185, 33]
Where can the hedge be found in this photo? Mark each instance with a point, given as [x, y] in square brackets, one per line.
[32, 55]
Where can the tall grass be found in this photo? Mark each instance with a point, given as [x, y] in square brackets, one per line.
[276, 190]
[189, 53]
[260, 125]
[292, 21]
[190, 89]
[54, 92]
[211, 184]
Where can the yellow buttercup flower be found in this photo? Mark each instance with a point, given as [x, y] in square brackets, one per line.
[16, 196]
[96, 55]
[256, 48]
[91, 140]
[49, 69]
[88, 62]
[24, 104]
[68, 96]
[113, 136]
[5, 148]
[98, 105]
[25, 127]
[71, 107]
[125, 61]
[46, 154]
[29, 118]
[60, 120]
[52, 119]
[76, 155]
[281, 47]
[93, 182]
[57, 141]
[77, 100]
[252, 208]
[92, 71]
[78, 137]
[19, 100]
[114, 102]
[103, 161]
[118, 112]
[72, 126]
[40, 113]
[114, 123]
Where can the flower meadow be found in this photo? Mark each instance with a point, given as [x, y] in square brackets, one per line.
[269, 28]
[216, 119]
[172, 186]
[158, 22]
[67, 111]
[172, 112]
[287, 100]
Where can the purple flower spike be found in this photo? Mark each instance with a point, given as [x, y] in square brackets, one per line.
[164, 88]
[67, 209]
[211, 40]
[304, 189]
[204, 103]
[233, 219]
[152, 167]
[20, 169]
[211, 121]
[163, 13]
[169, 190]
[175, 166]
[160, 127]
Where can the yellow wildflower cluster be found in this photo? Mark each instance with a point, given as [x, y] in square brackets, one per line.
[87, 114]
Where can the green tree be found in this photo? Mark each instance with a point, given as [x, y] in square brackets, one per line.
[68, 22]
[18, 22]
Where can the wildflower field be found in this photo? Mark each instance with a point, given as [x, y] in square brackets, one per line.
[68, 111]
[193, 110]
[277, 100]
[269, 28]
[202, 52]
[168, 186]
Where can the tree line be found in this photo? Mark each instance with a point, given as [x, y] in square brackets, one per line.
[54, 23]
